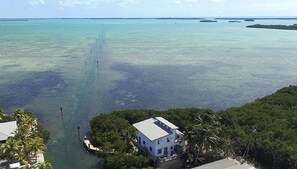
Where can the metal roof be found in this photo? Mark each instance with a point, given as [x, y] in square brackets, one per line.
[225, 164]
[242, 166]
[167, 123]
[150, 129]
[7, 129]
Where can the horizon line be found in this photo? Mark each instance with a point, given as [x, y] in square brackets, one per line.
[206, 17]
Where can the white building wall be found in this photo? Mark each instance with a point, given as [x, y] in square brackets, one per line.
[158, 144]
[146, 143]
[163, 143]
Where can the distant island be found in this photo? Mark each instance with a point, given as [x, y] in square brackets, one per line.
[13, 19]
[282, 27]
[259, 18]
[207, 20]
[262, 131]
[249, 20]
[177, 18]
[235, 21]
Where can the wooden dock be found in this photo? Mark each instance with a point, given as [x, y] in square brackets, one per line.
[90, 146]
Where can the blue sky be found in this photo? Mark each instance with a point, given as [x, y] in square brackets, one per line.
[146, 8]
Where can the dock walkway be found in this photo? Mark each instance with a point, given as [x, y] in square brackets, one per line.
[90, 146]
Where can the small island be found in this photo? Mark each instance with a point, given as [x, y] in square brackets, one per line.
[282, 27]
[249, 20]
[207, 20]
[235, 21]
[13, 19]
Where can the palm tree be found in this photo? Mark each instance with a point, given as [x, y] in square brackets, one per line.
[12, 149]
[19, 115]
[203, 137]
[28, 167]
[1, 114]
[24, 117]
[45, 166]
[21, 134]
[3, 117]
[35, 145]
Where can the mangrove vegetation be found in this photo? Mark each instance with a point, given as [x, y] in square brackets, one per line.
[282, 27]
[264, 131]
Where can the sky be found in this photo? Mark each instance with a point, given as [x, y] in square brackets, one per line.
[146, 8]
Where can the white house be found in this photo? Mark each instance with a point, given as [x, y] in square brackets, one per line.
[7, 129]
[159, 137]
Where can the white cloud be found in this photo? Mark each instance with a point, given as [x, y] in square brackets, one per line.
[36, 2]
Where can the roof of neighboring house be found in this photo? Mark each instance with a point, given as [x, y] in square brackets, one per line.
[7, 129]
[225, 164]
[152, 130]
[167, 123]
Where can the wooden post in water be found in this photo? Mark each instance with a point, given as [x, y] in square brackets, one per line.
[78, 131]
[61, 110]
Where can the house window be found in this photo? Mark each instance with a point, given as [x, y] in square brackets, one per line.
[158, 141]
[168, 140]
[159, 151]
[151, 149]
[171, 147]
[143, 142]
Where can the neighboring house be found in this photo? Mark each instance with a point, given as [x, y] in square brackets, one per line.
[227, 163]
[7, 130]
[159, 137]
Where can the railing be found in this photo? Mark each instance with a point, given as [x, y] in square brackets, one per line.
[160, 159]
[135, 142]
[170, 158]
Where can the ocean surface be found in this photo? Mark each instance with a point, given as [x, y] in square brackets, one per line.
[142, 64]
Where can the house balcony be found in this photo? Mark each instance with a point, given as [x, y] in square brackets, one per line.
[172, 155]
[180, 141]
[137, 145]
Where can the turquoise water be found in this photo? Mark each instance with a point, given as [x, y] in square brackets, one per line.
[148, 64]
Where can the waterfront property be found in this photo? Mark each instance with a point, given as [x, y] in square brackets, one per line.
[22, 141]
[159, 137]
[144, 64]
